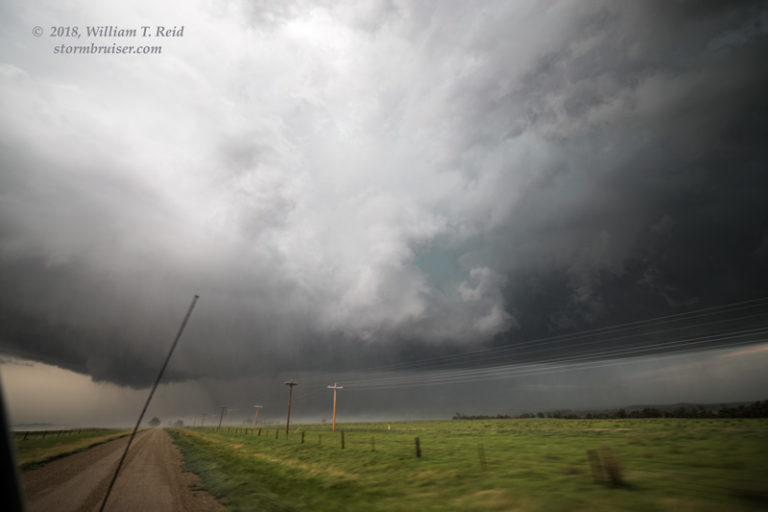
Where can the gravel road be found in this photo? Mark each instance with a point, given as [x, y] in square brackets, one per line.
[151, 479]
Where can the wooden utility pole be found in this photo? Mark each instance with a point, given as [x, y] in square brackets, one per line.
[290, 385]
[256, 418]
[334, 388]
[221, 418]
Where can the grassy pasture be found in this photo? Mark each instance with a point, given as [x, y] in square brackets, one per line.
[485, 465]
[37, 448]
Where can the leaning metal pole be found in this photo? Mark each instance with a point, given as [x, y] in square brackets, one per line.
[149, 398]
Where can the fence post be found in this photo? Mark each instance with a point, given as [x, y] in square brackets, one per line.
[259, 434]
[342, 439]
[611, 467]
[594, 463]
[277, 433]
[418, 448]
[302, 437]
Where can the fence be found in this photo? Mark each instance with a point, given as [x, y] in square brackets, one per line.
[606, 466]
[23, 435]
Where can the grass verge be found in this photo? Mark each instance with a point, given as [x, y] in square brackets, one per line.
[36, 451]
[494, 465]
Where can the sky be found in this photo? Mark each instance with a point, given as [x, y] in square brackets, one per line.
[443, 205]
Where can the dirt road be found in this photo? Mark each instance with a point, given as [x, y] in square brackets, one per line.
[151, 480]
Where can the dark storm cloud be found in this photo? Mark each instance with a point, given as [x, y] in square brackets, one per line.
[349, 185]
[651, 195]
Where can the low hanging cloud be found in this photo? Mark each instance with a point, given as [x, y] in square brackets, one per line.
[375, 175]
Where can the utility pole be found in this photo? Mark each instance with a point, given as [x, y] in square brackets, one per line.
[334, 388]
[223, 408]
[256, 418]
[290, 385]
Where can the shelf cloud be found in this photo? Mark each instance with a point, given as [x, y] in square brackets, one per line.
[350, 184]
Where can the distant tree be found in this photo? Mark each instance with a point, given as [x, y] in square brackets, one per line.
[178, 423]
[154, 421]
[747, 410]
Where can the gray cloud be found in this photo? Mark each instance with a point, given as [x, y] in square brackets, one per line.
[350, 184]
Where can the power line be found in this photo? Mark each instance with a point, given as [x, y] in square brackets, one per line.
[712, 342]
[506, 371]
[593, 348]
[678, 317]
[523, 370]
[553, 345]
[690, 341]
[602, 342]
[618, 332]
[527, 350]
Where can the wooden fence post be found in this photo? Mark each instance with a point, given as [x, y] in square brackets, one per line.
[342, 439]
[611, 467]
[594, 463]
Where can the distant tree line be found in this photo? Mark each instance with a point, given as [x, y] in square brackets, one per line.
[753, 410]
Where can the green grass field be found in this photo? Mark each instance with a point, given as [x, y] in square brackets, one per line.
[37, 449]
[486, 465]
